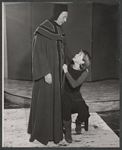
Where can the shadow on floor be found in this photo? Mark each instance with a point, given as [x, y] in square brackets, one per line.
[9, 105]
[112, 118]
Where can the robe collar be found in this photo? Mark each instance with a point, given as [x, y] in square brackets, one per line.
[51, 30]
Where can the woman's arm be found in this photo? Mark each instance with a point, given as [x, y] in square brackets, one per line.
[79, 81]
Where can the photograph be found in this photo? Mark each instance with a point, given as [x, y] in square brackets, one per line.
[61, 74]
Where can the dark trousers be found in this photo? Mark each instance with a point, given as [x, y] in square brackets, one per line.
[74, 103]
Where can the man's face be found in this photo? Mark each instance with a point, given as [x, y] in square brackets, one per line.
[62, 18]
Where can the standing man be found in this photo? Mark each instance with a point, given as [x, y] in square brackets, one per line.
[49, 55]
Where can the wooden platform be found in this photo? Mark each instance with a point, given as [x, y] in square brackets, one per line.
[15, 132]
[99, 96]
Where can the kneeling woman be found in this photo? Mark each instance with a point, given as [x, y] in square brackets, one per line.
[72, 100]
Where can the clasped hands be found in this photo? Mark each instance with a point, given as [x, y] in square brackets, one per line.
[48, 77]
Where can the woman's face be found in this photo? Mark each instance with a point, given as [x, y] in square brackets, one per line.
[78, 58]
[62, 18]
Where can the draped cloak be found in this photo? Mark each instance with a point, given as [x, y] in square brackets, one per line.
[48, 57]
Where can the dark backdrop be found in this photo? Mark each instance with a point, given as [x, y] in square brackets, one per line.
[90, 26]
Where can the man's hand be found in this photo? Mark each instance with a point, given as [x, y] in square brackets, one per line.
[65, 68]
[48, 78]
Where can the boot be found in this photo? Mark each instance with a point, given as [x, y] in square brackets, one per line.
[78, 128]
[67, 127]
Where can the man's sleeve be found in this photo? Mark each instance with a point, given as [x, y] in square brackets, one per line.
[40, 66]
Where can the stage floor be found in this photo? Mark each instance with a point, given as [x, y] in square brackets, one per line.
[15, 132]
[100, 96]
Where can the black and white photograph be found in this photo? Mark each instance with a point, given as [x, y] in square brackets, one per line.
[61, 74]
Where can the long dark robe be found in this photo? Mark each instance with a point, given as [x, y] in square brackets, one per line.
[49, 54]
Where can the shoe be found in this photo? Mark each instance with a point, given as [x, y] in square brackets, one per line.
[31, 139]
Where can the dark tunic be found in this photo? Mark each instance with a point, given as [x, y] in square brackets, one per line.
[48, 57]
[72, 100]
[75, 79]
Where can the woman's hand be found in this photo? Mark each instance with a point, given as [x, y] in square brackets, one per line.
[65, 68]
[48, 78]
